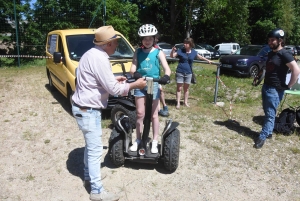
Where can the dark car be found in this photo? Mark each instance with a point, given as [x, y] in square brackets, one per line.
[246, 61]
[298, 49]
[215, 54]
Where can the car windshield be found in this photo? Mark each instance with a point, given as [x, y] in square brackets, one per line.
[198, 47]
[179, 46]
[208, 47]
[79, 44]
[249, 50]
[165, 46]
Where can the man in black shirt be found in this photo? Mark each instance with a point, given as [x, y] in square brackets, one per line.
[278, 63]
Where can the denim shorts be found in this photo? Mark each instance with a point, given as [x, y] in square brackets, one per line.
[183, 78]
[143, 92]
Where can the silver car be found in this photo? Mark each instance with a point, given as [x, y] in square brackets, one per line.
[292, 49]
[165, 47]
[201, 50]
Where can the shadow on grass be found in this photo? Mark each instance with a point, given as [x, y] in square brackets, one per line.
[75, 164]
[63, 101]
[135, 165]
[235, 126]
[258, 120]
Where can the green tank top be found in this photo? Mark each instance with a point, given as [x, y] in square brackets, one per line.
[148, 63]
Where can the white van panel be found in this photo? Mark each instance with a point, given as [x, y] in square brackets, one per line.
[227, 48]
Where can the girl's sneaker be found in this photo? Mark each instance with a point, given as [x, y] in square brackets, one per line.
[154, 149]
[135, 145]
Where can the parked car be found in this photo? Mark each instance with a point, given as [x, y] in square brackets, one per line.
[215, 54]
[227, 48]
[246, 61]
[201, 50]
[165, 47]
[292, 49]
[298, 49]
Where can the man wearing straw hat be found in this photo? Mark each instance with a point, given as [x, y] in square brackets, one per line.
[95, 81]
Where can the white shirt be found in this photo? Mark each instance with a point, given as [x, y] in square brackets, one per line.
[95, 80]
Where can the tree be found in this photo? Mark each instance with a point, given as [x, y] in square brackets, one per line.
[224, 21]
[294, 36]
[261, 22]
[123, 16]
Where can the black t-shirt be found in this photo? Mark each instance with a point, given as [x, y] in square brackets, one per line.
[276, 68]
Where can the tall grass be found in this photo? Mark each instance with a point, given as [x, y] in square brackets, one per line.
[24, 63]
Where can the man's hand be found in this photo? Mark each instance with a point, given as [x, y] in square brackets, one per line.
[120, 78]
[164, 80]
[140, 83]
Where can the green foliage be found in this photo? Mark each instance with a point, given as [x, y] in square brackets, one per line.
[224, 21]
[124, 18]
[210, 21]
[6, 62]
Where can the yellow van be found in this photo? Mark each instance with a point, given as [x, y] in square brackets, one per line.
[64, 49]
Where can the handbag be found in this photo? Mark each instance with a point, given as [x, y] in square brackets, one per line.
[193, 80]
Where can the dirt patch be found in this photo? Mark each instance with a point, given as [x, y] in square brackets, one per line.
[42, 153]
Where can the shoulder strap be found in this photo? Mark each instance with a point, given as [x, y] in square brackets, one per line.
[189, 62]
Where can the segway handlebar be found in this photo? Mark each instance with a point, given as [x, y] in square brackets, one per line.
[132, 79]
[195, 61]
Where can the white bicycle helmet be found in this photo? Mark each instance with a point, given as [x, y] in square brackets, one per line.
[147, 30]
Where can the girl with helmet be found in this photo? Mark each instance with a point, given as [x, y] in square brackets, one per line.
[277, 65]
[146, 63]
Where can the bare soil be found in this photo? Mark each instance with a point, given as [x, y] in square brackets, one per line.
[42, 153]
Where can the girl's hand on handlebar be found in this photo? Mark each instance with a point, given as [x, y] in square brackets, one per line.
[137, 75]
[164, 80]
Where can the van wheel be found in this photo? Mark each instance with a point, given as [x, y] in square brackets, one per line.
[50, 83]
[119, 110]
[253, 71]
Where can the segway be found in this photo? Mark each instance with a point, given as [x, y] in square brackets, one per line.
[122, 105]
[121, 139]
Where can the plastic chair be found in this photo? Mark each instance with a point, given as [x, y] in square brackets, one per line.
[295, 90]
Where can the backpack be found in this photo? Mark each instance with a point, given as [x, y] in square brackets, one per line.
[298, 116]
[285, 122]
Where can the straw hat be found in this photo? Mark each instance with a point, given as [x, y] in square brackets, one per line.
[105, 34]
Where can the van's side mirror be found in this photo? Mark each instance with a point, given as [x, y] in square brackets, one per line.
[57, 57]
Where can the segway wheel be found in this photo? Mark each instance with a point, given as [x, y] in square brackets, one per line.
[171, 151]
[116, 148]
[120, 110]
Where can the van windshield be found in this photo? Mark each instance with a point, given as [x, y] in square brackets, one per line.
[79, 44]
